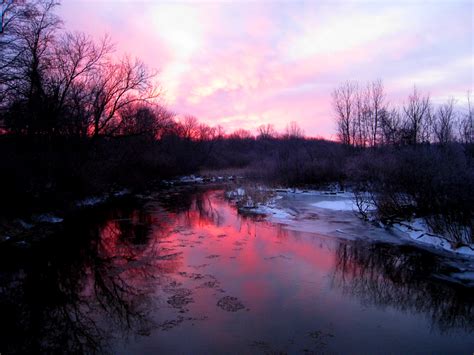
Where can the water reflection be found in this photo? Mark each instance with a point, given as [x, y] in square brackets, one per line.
[404, 278]
[76, 291]
[188, 258]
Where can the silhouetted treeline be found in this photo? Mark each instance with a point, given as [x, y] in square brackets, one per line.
[365, 118]
[77, 120]
[414, 160]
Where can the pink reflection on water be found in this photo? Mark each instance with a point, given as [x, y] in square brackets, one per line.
[251, 259]
[222, 281]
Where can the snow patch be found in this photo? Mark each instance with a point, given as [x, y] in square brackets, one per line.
[91, 201]
[121, 193]
[336, 205]
[273, 212]
[191, 179]
[418, 231]
[47, 218]
[236, 194]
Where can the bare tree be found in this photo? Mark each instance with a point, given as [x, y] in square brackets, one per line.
[166, 120]
[241, 134]
[443, 125]
[417, 117]
[77, 61]
[6, 14]
[390, 126]
[343, 104]
[12, 15]
[189, 127]
[206, 133]
[376, 99]
[139, 119]
[359, 122]
[266, 131]
[118, 85]
[220, 132]
[293, 130]
[466, 126]
[26, 59]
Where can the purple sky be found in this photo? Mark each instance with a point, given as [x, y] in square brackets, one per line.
[244, 63]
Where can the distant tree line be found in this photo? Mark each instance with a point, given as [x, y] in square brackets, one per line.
[365, 119]
[56, 83]
[418, 161]
[77, 120]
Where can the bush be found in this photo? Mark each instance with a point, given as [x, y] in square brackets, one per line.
[429, 181]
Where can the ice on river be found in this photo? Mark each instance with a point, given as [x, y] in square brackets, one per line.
[336, 216]
[338, 205]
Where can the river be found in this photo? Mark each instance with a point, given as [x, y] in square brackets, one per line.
[184, 273]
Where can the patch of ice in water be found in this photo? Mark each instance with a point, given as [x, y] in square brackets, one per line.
[336, 205]
[47, 218]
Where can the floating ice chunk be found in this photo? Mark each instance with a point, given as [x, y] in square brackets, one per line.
[91, 201]
[47, 218]
[121, 193]
[336, 205]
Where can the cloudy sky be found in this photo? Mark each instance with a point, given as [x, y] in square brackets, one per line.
[243, 63]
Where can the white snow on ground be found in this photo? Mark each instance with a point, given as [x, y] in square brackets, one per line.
[191, 179]
[327, 204]
[418, 231]
[274, 212]
[342, 202]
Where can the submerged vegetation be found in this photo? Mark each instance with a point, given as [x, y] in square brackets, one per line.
[77, 120]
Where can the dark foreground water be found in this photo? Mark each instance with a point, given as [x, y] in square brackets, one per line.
[188, 275]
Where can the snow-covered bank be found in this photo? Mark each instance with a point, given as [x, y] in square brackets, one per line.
[91, 201]
[98, 200]
[418, 231]
[334, 213]
[22, 230]
[200, 179]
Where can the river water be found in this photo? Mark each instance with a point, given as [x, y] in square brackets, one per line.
[184, 273]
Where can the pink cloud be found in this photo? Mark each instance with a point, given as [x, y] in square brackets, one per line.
[241, 65]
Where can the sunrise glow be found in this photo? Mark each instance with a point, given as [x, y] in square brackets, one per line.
[244, 64]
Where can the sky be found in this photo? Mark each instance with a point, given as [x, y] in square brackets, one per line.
[240, 64]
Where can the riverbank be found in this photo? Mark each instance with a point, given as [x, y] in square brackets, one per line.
[22, 230]
[330, 211]
[184, 264]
